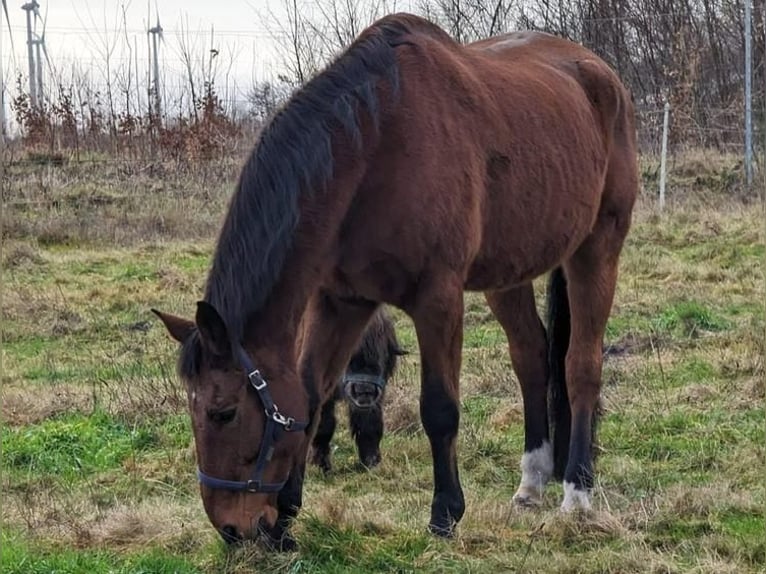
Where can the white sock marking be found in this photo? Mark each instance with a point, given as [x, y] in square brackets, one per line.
[574, 498]
[536, 471]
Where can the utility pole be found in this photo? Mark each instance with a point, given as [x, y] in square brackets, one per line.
[155, 32]
[39, 62]
[2, 93]
[2, 81]
[3, 125]
[29, 8]
[748, 94]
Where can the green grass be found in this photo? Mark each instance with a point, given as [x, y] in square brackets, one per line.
[19, 557]
[97, 453]
[74, 449]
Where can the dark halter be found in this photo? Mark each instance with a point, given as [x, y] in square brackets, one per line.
[350, 378]
[276, 424]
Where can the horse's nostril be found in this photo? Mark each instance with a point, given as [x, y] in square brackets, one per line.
[229, 534]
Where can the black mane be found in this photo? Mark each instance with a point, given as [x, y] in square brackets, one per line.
[293, 156]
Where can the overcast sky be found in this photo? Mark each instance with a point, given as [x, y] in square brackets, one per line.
[78, 31]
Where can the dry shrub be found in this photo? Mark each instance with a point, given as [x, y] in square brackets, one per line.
[20, 254]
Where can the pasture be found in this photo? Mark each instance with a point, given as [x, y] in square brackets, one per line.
[97, 459]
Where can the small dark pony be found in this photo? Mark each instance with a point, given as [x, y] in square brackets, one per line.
[363, 387]
[411, 169]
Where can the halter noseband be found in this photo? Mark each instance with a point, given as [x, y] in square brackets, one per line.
[276, 424]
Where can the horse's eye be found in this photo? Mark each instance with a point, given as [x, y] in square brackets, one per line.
[222, 417]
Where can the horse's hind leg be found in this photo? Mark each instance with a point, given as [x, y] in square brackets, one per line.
[516, 312]
[438, 317]
[320, 451]
[367, 430]
[591, 275]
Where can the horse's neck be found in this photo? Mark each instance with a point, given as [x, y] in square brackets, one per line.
[311, 258]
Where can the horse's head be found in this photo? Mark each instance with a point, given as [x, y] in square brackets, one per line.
[372, 364]
[246, 445]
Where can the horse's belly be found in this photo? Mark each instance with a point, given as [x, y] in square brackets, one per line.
[515, 250]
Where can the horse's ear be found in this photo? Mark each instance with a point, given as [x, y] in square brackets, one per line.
[178, 327]
[212, 330]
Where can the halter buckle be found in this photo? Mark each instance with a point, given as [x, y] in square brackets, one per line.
[257, 380]
[253, 486]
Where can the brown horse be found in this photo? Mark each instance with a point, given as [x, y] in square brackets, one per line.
[411, 169]
[363, 387]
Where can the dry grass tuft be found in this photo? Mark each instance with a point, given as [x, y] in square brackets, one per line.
[19, 254]
[703, 501]
[593, 525]
[507, 415]
[151, 522]
[333, 509]
[72, 519]
[172, 280]
[23, 406]
[401, 412]
[141, 397]
[697, 394]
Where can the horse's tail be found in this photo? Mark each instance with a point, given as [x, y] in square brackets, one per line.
[558, 344]
[560, 413]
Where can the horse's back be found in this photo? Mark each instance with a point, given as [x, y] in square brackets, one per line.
[606, 95]
[534, 49]
[492, 160]
[600, 104]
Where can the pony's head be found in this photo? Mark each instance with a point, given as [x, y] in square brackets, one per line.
[246, 445]
[372, 364]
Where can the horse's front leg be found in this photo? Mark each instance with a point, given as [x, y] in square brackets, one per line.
[438, 318]
[289, 502]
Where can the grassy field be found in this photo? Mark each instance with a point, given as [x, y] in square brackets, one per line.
[97, 460]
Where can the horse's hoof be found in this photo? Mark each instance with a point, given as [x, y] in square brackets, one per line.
[445, 532]
[371, 461]
[527, 498]
[287, 544]
[575, 498]
[283, 542]
[322, 460]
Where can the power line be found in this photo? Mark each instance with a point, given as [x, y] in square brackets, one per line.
[69, 30]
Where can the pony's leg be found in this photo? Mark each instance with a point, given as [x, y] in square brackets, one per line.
[438, 318]
[516, 312]
[591, 275]
[320, 446]
[334, 330]
[367, 430]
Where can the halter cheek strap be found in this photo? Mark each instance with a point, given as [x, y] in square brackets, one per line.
[276, 424]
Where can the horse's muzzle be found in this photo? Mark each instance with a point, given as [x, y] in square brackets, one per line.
[230, 535]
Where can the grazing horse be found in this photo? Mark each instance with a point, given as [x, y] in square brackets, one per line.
[411, 169]
[363, 386]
